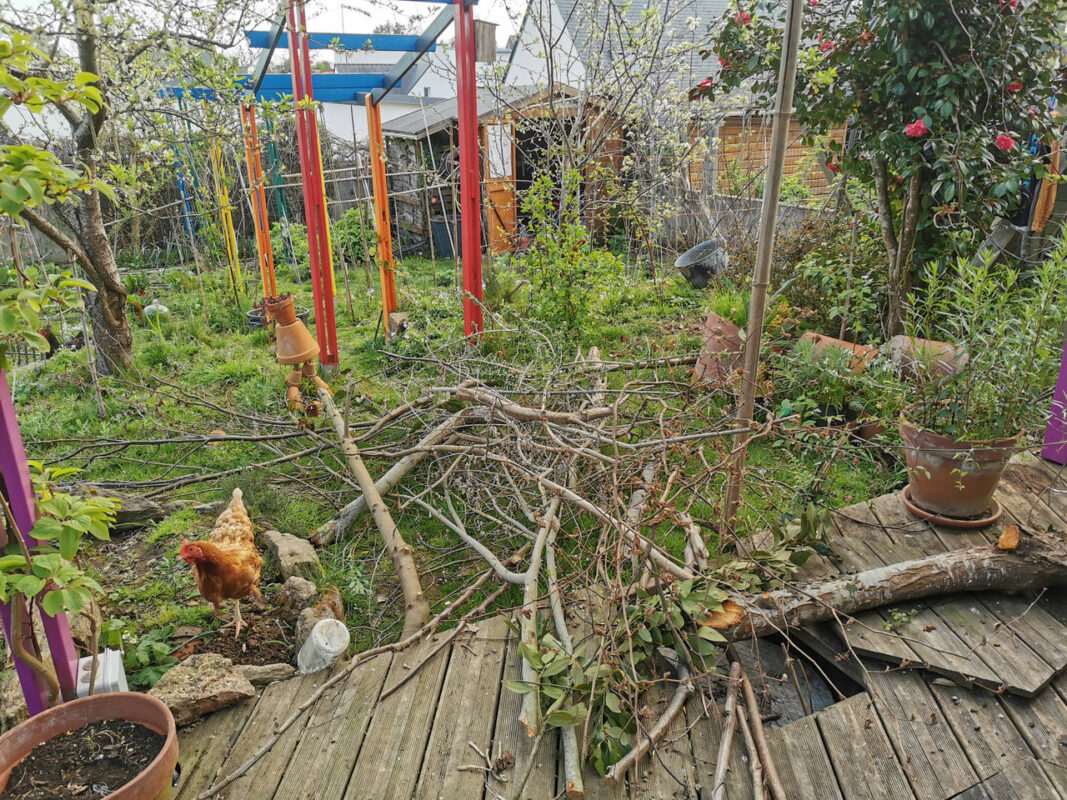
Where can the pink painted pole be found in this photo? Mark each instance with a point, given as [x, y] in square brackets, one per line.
[1055, 446]
[18, 488]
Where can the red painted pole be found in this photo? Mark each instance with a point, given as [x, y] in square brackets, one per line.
[314, 188]
[470, 189]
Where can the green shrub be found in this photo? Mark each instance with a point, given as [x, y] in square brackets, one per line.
[567, 275]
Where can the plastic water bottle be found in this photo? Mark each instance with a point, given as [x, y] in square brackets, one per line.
[328, 641]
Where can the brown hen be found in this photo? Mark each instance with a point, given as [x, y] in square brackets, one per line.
[226, 565]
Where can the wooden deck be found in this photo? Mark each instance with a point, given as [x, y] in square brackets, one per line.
[910, 734]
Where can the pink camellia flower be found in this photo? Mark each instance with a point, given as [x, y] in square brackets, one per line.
[742, 18]
[1005, 142]
[916, 130]
[1014, 86]
[813, 2]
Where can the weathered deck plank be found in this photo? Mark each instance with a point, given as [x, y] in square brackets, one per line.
[388, 764]
[802, 762]
[705, 732]
[204, 746]
[466, 713]
[1021, 780]
[509, 736]
[323, 760]
[933, 761]
[986, 733]
[1017, 666]
[861, 754]
[275, 704]
[668, 773]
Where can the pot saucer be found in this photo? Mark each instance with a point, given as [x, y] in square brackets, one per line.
[949, 522]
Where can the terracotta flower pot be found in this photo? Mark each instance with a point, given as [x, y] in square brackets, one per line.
[954, 478]
[862, 354]
[721, 351]
[284, 311]
[154, 783]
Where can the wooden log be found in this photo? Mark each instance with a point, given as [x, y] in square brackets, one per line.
[416, 608]
[1040, 560]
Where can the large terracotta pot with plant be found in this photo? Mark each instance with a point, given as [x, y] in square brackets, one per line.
[153, 783]
[962, 425]
[953, 478]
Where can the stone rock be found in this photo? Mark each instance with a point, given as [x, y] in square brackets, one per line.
[295, 556]
[296, 594]
[212, 509]
[136, 511]
[12, 703]
[261, 675]
[203, 683]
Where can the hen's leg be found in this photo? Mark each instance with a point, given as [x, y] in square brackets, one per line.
[237, 618]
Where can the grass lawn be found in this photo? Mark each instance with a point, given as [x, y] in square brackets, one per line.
[194, 375]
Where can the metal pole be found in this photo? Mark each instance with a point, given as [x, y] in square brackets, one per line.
[761, 273]
[469, 183]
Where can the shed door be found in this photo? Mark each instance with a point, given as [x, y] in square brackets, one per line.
[500, 198]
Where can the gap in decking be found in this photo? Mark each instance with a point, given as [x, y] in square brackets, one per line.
[765, 662]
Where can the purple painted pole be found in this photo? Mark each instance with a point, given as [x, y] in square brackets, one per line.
[1055, 447]
[20, 495]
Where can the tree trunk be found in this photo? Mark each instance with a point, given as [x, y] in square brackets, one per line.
[1040, 561]
[107, 310]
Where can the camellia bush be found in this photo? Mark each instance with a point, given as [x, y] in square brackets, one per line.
[945, 102]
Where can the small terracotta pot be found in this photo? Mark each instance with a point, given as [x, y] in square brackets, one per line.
[721, 352]
[154, 783]
[862, 354]
[868, 428]
[283, 312]
[954, 478]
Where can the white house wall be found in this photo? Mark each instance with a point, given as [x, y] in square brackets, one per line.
[536, 40]
[339, 118]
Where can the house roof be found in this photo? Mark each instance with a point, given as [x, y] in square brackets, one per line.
[437, 116]
[686, 26]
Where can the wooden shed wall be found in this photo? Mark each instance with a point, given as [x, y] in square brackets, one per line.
[745, 143]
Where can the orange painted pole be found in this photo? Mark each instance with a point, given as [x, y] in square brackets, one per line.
[259, 200]
[386, 267]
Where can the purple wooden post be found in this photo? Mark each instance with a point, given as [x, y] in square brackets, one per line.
[21, 497]
[1055, 448]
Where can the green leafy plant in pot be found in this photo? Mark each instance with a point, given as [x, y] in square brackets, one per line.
[961, 428]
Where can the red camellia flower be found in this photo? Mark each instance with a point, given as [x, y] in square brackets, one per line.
[916, 130]
[834, 168]
[827, 47]
[1014, 86]
[1009, 3]
[743, 17]
[1005, 142]
[722, 61]
[706, 83]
